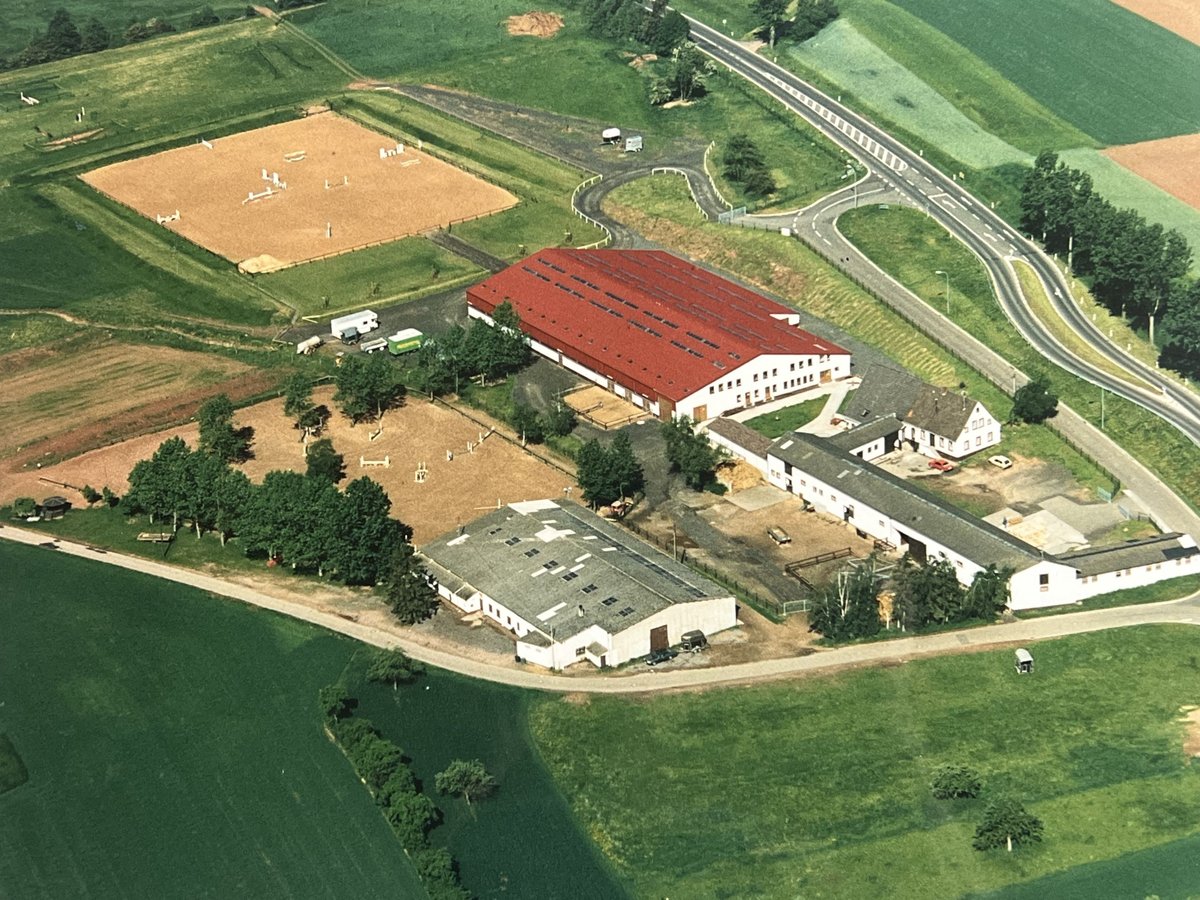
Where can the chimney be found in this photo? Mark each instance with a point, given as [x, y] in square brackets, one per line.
[579, 611]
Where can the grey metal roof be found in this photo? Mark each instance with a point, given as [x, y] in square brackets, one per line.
[865, 434]
[884, 391]
[906, 503]
[742, 435]
[562, 568]
[1129, 555]
[893, 392]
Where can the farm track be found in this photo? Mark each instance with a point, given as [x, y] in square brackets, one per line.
[989, 637]
[142, 329]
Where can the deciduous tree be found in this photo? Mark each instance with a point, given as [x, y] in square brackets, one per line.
[217, 433]
[393, 667]
[366, 533]
[325, 462]
[954, 781]
[467, 778]
[690, 454]
[411, 815]
[408, 591]
[367, 384]
[335, 702]
[1034, 402]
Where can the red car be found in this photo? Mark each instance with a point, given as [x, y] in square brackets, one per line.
[942, 465]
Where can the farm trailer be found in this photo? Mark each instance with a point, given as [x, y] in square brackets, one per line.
[405, 341]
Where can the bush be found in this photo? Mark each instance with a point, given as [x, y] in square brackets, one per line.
[954, 781]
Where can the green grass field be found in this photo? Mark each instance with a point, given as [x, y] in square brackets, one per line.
[819, 787]
[1110, 73]
[912, 248]
[891, 91]
[174, 746]
[12, 769]
[524, 841]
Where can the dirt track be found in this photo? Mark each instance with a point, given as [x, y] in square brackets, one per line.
[1185, 612]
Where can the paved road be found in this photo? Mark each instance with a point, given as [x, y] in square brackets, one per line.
[1185, 612]
[986, 234]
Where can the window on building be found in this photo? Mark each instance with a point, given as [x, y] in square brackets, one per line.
[579, 651]
[793, 368]
[739, 382]
[711, 390]
[756, 376]
[1044, 581]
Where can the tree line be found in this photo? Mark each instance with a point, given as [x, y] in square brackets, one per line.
[808, 19]
[384, 769]
[1135, 268]
[64, 39]
[861, 602]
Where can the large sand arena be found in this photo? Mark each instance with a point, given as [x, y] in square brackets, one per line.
[368, 200]
[453, 493]
[1179, 16]
[1168, 163]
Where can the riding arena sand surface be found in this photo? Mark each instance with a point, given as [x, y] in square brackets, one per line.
[1180, 16]
[340, 195]
[1168, 163]
[454, 491]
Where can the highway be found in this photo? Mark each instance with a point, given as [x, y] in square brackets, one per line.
[898, 169]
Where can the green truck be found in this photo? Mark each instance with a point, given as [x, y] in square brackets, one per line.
[405, 341]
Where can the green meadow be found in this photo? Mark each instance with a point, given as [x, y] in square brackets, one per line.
[820, 787]
[173, 745]
[1108, 72]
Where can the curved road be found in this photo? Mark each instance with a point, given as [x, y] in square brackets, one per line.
[987, 235]
[1184, 612]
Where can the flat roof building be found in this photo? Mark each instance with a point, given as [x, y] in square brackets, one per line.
[669, 336]
[570, 585]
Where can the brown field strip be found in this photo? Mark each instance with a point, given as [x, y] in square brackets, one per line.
[1168, 163]
[1180, 16]
[340, 193]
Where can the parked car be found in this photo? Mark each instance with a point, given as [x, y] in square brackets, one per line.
[778, 535]
[942, 465]
[660, 656]
[1000, 462]
[693, 641]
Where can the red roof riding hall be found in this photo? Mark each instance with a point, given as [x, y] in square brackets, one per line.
[661, 328]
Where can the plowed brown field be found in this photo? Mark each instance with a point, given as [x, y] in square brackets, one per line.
[1168, 163]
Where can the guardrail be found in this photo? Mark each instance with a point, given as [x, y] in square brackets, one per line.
[607, 239]
[712, 146]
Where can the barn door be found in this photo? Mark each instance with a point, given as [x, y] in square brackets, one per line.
[658, 638]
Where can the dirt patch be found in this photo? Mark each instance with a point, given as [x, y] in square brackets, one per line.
[333, 192]
[75, 138]
[1167, 163]
[639, 62]
[1179, 16]
[1191, 737]
[534, 24]
[737, 475]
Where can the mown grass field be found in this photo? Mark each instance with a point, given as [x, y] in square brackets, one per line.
[820, 786]
[908, 245]
[889, 90]
[661, 210]
[523, 841]
[1108, 72]
[174, 746]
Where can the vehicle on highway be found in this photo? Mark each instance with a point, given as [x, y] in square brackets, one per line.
[1000, 462]
[942, 465]
[661, 656]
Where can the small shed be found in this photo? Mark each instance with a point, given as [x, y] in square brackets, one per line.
[1024, 662]
[55, 507]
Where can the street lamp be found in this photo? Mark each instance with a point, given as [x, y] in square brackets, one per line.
[947, 275]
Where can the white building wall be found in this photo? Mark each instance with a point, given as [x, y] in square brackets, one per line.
[762, 379]
[982, 431]
[709, 616]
